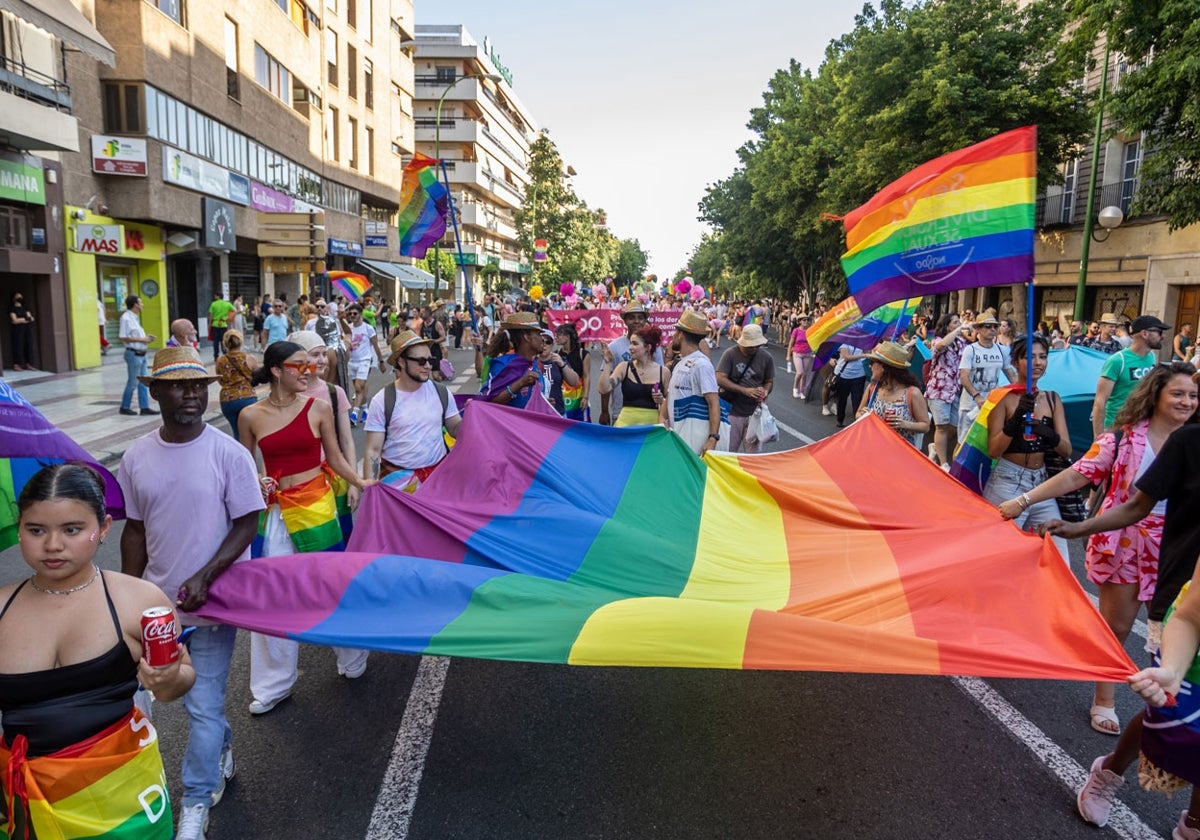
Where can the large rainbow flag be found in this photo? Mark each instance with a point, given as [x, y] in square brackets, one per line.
[540, 539]
[28, 442]
[424, 203]
[351, 285]
[957, 222]
[845, 324]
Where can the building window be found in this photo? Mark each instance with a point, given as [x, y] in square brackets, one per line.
[1132, 164]
[331, 5]
[1070, 182]
[123, 108]
[352, 14]
[369, 83]
[272, 75]
[171, 8]
[352, 138]
[370, 151]
[368, 20]
[300, 14]
[445, 75]
[351, 71]
[231, 59]
[335, 145]
[331, 56]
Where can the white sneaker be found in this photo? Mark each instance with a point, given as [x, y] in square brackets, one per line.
[1095, 798]
[258, 707]
[228, 769]
[356, 668]
[825, 410]
[795, 393]
[193, 823]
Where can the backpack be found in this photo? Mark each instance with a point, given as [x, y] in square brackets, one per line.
[389, 406]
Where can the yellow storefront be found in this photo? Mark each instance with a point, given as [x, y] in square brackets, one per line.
[109, 259]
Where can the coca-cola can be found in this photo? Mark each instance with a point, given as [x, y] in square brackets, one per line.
[160, 645]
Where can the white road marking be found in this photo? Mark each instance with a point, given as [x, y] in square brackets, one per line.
[1073, 775]
[398, 792]
[796, 433]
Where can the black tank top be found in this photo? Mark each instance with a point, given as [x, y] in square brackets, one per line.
[635, 393]
[62, 706]
[1019, 446]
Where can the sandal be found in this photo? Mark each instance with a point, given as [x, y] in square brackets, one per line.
[1105, 720]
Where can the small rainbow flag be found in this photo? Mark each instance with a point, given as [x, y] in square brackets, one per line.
[513, 550]
[972, 464]
[109, 786]
[424, 203]
[352, 286]
[960, 221]
[310, 512]
[845, 324]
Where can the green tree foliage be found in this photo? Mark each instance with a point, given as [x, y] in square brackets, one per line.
[907, 84]
[449, 268]
[1158, 41]
[630, 266]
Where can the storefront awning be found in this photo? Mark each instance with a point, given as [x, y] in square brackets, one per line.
[61, 19]
[410, 277]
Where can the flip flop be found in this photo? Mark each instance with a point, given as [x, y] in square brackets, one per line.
[1101, 715]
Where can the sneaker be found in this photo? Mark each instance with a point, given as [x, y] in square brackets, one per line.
[193, 822]
[1183, 831]
[228, 768]
[353, 417]
[825, 411]
[795, 393]
[129, 412]
[147, 411]
[356, 669]
[1095, 798]
[258, 707]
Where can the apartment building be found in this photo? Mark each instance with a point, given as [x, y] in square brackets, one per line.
[37, 124]
[239, 146]
[483, 136]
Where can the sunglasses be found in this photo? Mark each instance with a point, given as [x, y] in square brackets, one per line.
[301, 367]
[423, 361]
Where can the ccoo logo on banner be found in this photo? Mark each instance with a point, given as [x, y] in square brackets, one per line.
[606, 324]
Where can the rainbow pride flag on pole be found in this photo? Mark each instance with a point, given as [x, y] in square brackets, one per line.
[424, 203]
[972, 464]
[540, 539]
[845, 324]
[352, 286]
[957, 222]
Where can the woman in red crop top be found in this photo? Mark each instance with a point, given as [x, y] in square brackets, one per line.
[286, 433]
[70, 662]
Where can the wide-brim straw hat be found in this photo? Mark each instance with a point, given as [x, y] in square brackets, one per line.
[1112, 319]
[889, 353]
[692, 322]
[752, 336]
[176, 364]
[988, 317]
[633, 308]
[520, 321]
[404, 341]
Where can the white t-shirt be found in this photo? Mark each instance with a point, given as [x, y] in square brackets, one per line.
[692, 378]
[986, 365]
[187, 496]
[414, 437]
[361, 348]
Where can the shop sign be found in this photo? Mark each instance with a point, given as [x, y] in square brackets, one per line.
[293, 266]
[219, 229]
[269, 200]
[118, 155]
[192, 173]
[99, 239]
[377, 228]
[376, 241]
[20, 182]
[345, 248]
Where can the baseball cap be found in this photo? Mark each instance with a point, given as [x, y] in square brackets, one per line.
[1147, 322]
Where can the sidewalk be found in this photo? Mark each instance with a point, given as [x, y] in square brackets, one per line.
[85, 403]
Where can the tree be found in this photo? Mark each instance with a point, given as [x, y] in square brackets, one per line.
[631, 262]
[449, 268]
[1159, 41]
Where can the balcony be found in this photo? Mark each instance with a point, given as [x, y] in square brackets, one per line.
[29, 124]
[498, 221]
[464, 173]
[1068, 209]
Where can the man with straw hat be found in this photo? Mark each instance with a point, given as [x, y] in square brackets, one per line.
[193, 502]
[693, 408]
[983, 362]
[746, 375]
[512, 376]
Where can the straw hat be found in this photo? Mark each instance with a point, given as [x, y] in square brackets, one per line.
[891, 354]
[402, 342]
[986, 317]
[752, 336]
[633, 308]
[177, 364]
[1112, 319]
[520, 321]
[694, 323]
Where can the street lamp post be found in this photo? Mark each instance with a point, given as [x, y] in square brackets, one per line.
[437, 153]
[1086, 239]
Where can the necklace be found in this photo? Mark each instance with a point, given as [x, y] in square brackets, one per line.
[95, 573]
[271, 400]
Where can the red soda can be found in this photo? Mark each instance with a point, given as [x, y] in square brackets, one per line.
[160, 645]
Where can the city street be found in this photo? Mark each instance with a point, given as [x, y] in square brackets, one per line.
[430, 749]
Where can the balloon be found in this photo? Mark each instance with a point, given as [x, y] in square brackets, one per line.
[567, 289]
[697, 293]
[643, 297]
[683, 286]
[599, 290]
[535, 293]
[571, 301]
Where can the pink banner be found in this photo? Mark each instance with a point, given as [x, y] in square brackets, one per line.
[607, 324]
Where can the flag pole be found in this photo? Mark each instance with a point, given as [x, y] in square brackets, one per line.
[462, 268]
[1029, 339]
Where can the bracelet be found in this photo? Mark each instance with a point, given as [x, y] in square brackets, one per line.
[1026, 500]
[511, 393]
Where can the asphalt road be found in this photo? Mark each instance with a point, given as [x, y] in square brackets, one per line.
[432, 749]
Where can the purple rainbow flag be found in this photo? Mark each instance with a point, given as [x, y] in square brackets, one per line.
[424, 202]
[28, 442]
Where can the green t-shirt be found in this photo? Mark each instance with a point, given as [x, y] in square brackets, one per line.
[369, 316]
[218, 313]
[1126, 369]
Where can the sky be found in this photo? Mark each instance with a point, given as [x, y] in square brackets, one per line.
[649, 100]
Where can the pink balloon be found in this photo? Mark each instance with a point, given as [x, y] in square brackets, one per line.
[683, 286]
[571, 300]
[697, 293]
[599, 290]
[643, 297]
[567, 289]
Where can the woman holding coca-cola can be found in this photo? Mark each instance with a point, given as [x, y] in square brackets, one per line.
[71, 658]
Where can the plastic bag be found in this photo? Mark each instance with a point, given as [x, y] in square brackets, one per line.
[762, 427]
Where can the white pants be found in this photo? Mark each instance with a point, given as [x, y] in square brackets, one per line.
[273, 661]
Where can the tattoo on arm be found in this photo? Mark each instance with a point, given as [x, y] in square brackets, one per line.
[374, 466]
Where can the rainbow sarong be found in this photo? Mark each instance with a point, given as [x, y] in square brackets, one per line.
[310, 514]
[972, 464]
[110, 786]
[573, 401]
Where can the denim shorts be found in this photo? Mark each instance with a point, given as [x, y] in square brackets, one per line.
[943, 413]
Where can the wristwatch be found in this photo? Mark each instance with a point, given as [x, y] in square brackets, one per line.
[715, 437]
